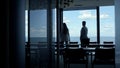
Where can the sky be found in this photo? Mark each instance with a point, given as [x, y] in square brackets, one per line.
[73, 19]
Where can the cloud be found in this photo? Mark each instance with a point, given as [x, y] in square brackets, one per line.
[104, 16]
[34, 31]
[88, 15]
[107, 28]
[66, 20]
[38, 32]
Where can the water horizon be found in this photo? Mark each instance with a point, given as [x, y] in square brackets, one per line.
[73, 39]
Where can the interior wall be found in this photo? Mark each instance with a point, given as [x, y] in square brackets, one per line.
[117, 32]
[17, 34]
[4, 59]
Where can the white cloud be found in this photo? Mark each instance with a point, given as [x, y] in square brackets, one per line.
[88, 15]
[107, 29]
[32, 29]
[66, 20]
[104, 16]
[38, 32]
[108, 26]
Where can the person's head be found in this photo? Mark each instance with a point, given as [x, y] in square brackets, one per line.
[65, 29]
[64, 24]
[83, 23]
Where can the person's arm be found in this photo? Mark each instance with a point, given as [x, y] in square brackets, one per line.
[68, 36]
[81, 33]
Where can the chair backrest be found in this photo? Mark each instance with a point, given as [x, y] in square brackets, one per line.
[108, 42]
[109, 45]
[73, 42]
[93, 42]
[72, 45]
[78, 53]
[85, 42]
[105, 53]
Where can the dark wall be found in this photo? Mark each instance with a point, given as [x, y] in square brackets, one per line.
[13, 34]
[4, 35]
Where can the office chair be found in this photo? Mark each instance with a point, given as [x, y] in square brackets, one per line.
[75, 56]
[104, 56]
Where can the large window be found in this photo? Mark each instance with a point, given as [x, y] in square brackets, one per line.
[107, 24]
[38, 26]
[74, 19]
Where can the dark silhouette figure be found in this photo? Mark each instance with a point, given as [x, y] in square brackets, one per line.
[83, 35]
[75, 56]
[65, 37]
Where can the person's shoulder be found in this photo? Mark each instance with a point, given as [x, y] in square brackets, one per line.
[85, 27]
[82, 28]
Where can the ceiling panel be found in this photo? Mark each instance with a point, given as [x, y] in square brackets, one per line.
[88, 4]
[75, 5]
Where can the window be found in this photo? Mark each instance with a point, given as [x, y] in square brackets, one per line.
[107, 24]
[38, 26]
[74, 19]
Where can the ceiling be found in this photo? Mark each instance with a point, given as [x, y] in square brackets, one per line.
[75, 5]
[88, 4]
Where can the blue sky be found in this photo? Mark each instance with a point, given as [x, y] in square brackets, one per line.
[73, 20]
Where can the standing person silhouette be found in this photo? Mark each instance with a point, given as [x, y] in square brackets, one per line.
[83, 35]
[65, 37]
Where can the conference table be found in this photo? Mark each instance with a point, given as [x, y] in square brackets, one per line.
[101, 45]
[90, 49]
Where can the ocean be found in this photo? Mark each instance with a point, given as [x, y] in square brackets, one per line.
[74, 39]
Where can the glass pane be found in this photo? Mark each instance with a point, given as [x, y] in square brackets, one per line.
[42, 33]
[107, 24]
[74, 19]
[38, 26]
[38, 38]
